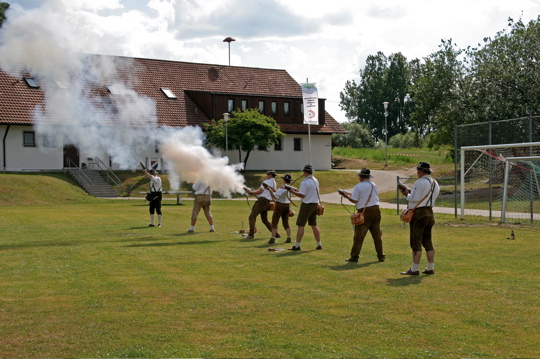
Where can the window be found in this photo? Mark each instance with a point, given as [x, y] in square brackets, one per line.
[298, 144]
[244, 105]
[60, 84]
[49, 140]
[262, 148]
[113, 89]
[230, 105]
[168, 92]
[302, 108]
[274, 108]
[29, 139]
[261, 107]
[278, 146]
[31, 82]
[156, 147]
[286, 108]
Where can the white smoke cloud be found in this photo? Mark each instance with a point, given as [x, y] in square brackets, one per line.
[92, 106]
[185, 155]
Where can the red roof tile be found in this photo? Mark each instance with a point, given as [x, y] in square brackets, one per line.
[147, 76]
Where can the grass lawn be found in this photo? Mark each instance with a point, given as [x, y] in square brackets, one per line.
[88, 278]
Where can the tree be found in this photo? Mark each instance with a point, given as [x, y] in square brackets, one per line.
[504, 73]
[3, 8]
[357, 136]
[397, 85]
[434, 90]
[382, 79]
[246, 130]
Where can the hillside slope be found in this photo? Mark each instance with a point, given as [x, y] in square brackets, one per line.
[42, 188]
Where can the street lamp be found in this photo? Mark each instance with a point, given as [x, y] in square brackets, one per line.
[226, 119]
[229, 40]
[386, 131]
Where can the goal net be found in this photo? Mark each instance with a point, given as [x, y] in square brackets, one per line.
[521, 190]
[482, 175]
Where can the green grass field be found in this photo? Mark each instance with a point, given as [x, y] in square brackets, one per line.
[85, 277]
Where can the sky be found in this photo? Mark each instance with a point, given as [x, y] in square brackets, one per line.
[325, 42]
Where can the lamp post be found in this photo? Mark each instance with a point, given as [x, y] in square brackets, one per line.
[226, 119]
[229, 40]
[385, 104]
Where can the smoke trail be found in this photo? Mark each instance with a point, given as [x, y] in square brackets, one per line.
[92, 105]
[185, 155]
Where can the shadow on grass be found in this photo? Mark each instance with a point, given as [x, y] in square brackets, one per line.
[352, 265]
[162, 244]
[405, 280]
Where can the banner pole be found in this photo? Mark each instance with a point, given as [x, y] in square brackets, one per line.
[309, 140]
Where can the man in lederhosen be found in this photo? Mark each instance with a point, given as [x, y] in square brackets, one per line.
[156, 195]
[424, 193]
[263, 203]
[309, 192]
[203, 200]
[282, 210]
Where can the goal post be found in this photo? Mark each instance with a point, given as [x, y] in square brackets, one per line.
[482, 170]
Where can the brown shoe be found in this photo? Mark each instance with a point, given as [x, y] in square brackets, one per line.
[289, 240]
[271, 241]
[410, 272]
[431, 271]
[351, 260]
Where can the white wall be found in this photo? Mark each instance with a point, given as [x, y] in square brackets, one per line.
[21, 158]
[288, 159]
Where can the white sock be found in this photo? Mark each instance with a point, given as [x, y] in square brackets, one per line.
[159, 218]
[430, 266]
[319, 244]
[192, 228]
[297, 244]
[212, 226]
[151, 219]
[415, 267]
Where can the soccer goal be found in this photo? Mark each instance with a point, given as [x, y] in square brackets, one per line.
[482, 184]
[521, 190]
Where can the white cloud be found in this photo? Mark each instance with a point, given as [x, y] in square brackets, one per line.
[325, 41]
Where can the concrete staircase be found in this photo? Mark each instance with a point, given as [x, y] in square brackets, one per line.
[92, 182]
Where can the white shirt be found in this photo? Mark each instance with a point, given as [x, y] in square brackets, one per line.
[282, 195]
[310, 189]
[155, 184]
[266, 194]
[201, 188]
[420, 189]
[361, 194]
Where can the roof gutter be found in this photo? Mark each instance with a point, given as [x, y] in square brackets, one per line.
[4, 146]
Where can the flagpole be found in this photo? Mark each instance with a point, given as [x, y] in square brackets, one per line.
[309, 132]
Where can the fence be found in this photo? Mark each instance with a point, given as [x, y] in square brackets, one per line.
[483, 188]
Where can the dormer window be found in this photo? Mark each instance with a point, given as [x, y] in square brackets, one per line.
[113, 90]
[60, 84]
[168, 92]
[31, 82]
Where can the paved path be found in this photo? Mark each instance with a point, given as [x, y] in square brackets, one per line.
[385, 180]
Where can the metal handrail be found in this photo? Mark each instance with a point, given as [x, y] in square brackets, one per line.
[72, 164]
[110, 174]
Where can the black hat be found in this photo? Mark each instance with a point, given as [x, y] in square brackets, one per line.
[424, 167]
[287, 177]
[308, 169]
[364, 173]
[271, 172]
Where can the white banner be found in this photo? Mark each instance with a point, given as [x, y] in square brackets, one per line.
[311, 104]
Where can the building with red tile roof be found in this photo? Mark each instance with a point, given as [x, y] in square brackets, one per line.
[184, 94]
